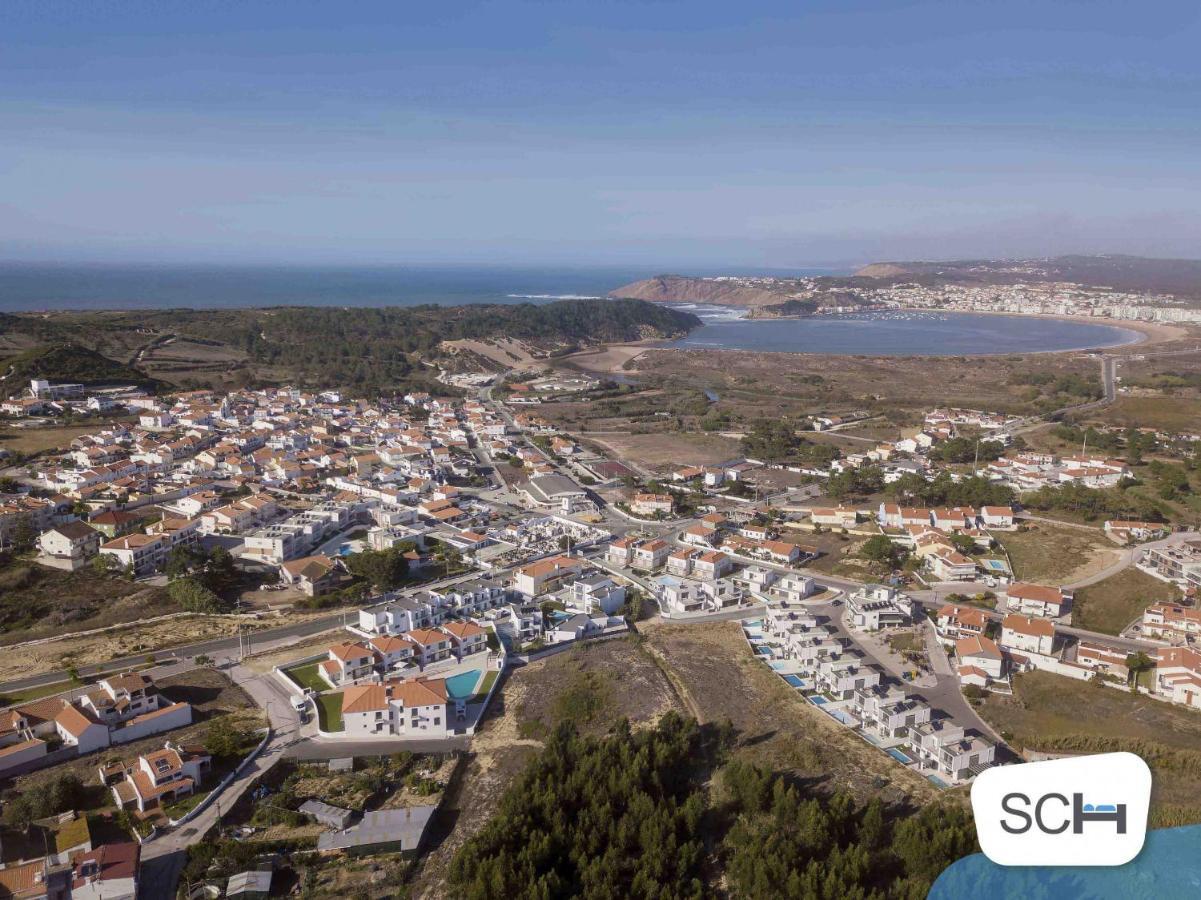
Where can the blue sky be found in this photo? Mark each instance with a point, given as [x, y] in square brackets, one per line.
[649, 133]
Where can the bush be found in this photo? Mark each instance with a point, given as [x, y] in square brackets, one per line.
[193, 596]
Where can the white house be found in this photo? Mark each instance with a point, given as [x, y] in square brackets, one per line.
[1037, 600]
[416, 706]
[1027, 634]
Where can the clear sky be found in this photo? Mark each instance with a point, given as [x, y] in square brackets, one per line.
[659, 133]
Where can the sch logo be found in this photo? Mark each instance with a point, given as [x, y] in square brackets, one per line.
[1017, 806]
[1048, 814]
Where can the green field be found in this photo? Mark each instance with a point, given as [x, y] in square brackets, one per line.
[1112, 604]
[308, 676]
[329, 711]
[484, 686]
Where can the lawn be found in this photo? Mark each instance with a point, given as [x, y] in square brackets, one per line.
[1052, 554]
[486, 685]
[1057, 714]
[308, 676]
[1114, 603]
[329, 711]
[38, 440]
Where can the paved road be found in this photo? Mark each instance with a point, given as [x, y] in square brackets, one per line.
[225, 648]
[164, 857]
[945, 697]
[1130, 555]
[934, 599]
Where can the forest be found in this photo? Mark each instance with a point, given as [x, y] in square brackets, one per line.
[369, 349]
[629, 815]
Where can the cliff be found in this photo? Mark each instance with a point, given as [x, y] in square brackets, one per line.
[683, 289]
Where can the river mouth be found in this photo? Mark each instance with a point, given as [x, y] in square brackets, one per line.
[900, 333]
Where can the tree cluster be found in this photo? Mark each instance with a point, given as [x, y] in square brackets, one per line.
[614, 817]
[787, 844]
[383, 569]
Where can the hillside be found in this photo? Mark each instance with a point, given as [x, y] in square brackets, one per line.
[68, 361]
[371, 350]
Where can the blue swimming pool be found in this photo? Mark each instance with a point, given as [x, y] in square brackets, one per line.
[462, 686]
[818, 701]
[937, 782]
[840, 716]
[795, 680]
[899, 756]
[763, 650]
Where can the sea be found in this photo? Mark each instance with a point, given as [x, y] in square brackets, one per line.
[27, 286]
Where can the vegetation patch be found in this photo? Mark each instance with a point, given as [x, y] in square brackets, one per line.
[1055, 714]
[1112, 604]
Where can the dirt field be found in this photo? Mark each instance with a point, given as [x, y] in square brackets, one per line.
[714, 671]
[610, 360]
[595, 685]
[1053, 713]
[1167, 413]
[1114, 603]
[669, 450]
[504, 353]
[38, 440]
[153, 638]
[1050, 554]
[765, 384]
[307, 647]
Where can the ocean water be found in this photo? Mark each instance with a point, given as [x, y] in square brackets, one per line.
[26, 286]
[898, 333]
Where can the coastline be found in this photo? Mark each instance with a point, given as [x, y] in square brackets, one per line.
[611, 359]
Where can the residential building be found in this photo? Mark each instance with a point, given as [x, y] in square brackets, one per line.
[946, 749]
[1103, 658]
[950, 565]
[109, 872]
[1178, 675]
[1037, 600]
[76, 541]
[1168, 622]
[889, 714]
[158, 778]
[979, 660]
[1179, 563]
[347, 662]
[953, 622]
[593, 592]
[435, 645]
[650, 504]
[545, 574]
[314, 575]
[416, 706]
[466, 638]
[1027, 634]
[145, 554]
[876, 606]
